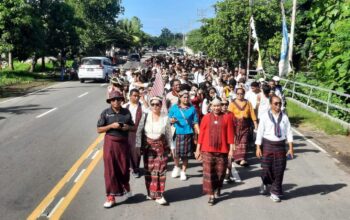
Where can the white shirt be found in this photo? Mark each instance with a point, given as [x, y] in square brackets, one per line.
[154, 129]
[264, 105]
[133, 109]
[252, 98]
[266, 129]
[198, 78]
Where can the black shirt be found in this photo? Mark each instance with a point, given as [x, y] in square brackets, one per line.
[109, 116]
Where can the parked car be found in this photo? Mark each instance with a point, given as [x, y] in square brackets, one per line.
[95, 68]
[134, 57]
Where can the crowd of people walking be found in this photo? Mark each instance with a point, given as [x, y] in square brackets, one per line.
[205, 110]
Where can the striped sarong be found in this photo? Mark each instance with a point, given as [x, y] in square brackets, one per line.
[241, 138]
[273, 164]
[183, 145]
[155, 157]
[214, 170]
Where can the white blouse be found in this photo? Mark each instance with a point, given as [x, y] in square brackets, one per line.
[154, 129]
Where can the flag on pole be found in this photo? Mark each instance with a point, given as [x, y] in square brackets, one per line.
[256, 44]
[158, 90]
[283, 66]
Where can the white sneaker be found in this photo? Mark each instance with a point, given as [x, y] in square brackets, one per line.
[176, 172]
[183, 176]
[110, 202]
[275, 198]
[161, 201]
[128, 194]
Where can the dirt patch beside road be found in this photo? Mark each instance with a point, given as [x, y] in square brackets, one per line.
[337, 146]
[22, 89]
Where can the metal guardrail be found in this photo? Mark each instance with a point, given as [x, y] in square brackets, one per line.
[306, 95]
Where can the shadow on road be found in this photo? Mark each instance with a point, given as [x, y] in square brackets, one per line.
[184, 193]
[322, 189]
[18, 110]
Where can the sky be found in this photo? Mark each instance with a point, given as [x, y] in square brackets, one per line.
[176, 15]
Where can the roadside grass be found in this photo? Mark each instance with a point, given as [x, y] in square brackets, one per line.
[299, 116]
[21, 74]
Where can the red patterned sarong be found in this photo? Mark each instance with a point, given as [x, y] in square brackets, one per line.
[155, 157]
[214, 170]
[241, 138]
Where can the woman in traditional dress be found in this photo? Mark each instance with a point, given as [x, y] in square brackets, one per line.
[184, 117]
[244, 114]
[116, 122]
[153, 139]
[215, 146]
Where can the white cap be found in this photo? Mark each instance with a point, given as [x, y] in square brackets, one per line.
[276, 78]
[261, 80]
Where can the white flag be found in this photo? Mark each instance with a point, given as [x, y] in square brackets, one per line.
[283, 66]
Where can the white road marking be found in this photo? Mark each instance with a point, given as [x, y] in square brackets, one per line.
[45, 113]
[311, 142]
[71, 176]
[84, 94]
[47, 206]
[56, 206]
[89, 154]
[103, 84]
[336, 160]
[78, 177]
[95, 154]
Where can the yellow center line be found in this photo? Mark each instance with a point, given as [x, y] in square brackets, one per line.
[46, 201]
[75, 189]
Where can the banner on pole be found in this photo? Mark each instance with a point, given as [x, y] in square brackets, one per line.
[283, 65]
[259, 66]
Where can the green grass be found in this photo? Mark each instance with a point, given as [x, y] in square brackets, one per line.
[21, 74]
[299, 115]
[18, 77]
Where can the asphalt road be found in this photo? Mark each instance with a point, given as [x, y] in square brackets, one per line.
[50, 163]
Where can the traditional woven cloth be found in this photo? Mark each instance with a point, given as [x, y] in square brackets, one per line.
[155, 164]
[214, 169]
[116, 158]
[273, 164]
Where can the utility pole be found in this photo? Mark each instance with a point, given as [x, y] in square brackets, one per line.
[291, 38]
[251, 3]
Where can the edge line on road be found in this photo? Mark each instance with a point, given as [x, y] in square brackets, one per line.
[84, 94]
[31, 93]
[45, 113]
[38, 210]
[311, 142]
[75, 189]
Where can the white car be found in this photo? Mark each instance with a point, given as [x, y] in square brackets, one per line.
[95, 68]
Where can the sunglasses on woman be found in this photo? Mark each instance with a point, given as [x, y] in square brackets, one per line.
[155, 104]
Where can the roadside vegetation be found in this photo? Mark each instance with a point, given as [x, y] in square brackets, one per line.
[300, 116]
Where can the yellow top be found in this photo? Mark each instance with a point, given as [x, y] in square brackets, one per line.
[247, 112]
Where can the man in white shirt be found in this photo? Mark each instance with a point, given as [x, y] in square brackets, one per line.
[136, 109]
[252, 94]
[173, 96]
[273, 131]
[199, 76]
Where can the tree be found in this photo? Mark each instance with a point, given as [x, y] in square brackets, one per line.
[195, 40]
[14, 17]
[98, 31]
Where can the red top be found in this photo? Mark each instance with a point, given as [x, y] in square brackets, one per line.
[227, 134]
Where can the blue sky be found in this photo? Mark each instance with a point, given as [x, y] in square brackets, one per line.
[177, 15]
